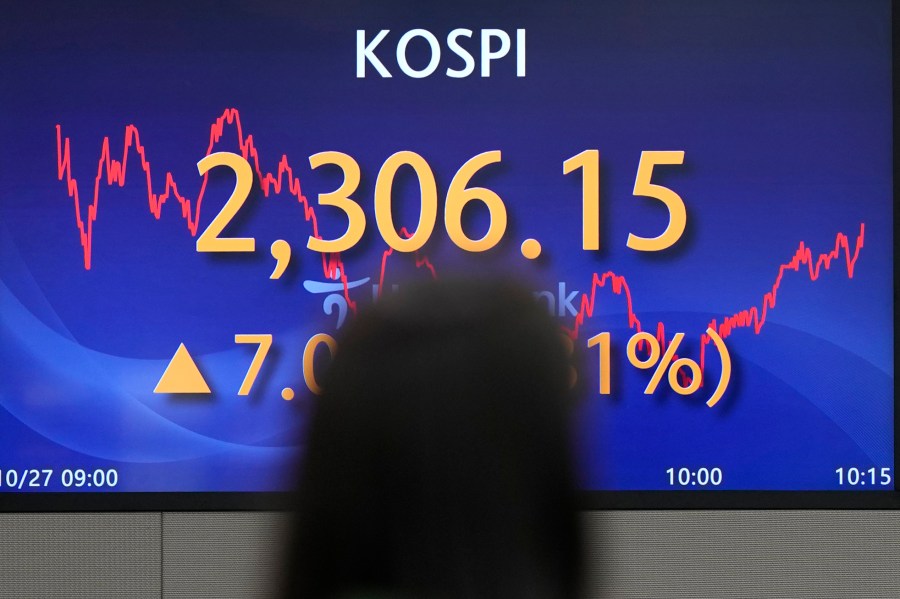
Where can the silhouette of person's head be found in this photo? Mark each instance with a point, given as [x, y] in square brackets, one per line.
[437, 462]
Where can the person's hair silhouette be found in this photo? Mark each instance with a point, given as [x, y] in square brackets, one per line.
[437, 462]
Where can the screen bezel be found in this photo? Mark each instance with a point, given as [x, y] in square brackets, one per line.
[587, 501]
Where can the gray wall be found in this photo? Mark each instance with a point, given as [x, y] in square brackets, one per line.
[630, 554]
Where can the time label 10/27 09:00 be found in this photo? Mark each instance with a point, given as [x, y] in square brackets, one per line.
[846, 477]
[29, 478]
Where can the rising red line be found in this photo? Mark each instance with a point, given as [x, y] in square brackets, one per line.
[754, 317]
[115, 170]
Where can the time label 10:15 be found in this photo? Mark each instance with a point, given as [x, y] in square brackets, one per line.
[458, 196]
[854, 476]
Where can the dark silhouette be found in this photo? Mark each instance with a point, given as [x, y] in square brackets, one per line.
[438, 459]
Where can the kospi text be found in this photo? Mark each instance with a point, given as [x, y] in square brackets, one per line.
[494, 44]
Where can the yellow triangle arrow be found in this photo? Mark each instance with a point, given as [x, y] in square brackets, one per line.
[182, 375]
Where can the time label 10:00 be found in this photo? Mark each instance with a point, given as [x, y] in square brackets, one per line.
[701, 477]
[459, 195]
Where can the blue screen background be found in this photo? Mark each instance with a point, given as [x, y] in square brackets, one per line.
[784, 114]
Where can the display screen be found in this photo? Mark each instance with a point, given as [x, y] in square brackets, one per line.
[195, 200]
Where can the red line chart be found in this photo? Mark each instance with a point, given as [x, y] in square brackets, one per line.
[753, 317]
[113, 171]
